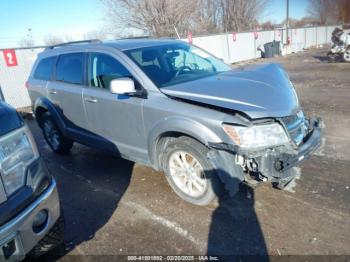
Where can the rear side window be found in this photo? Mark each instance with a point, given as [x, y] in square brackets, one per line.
[44, 69]
[70, 68]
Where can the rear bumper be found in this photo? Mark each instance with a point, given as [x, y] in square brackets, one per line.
[20, 229]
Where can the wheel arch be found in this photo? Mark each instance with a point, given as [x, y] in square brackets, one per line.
[43, 105]
[174, 127]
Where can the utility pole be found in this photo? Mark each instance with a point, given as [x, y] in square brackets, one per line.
[287, 21]
[30, 36]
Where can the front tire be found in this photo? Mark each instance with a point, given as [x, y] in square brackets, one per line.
[190, 173]
[53, 135]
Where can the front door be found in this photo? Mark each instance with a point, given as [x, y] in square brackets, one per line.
[114, 117]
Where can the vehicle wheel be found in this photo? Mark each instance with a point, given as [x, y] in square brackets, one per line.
[190, 173]
[51, 240]
[53, 136]
[346, 55]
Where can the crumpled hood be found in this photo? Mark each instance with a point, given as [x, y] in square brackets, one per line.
[258, 91]
[9, 119]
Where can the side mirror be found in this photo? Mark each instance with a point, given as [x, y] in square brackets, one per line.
[122, 86]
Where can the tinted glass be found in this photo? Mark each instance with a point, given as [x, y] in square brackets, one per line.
[103, 69]
[70, 68]
[178, 63]
[44, 69]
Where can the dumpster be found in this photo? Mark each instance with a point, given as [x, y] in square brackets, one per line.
[276, 47]
[269, 50]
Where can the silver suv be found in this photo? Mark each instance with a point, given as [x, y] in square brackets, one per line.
[176, 108]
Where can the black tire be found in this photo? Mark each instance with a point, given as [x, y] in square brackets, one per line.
[51, 240]
[346, 55]
[214, 186]
[59, 144]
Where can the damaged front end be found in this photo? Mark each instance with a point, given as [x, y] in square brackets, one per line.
[275, 163]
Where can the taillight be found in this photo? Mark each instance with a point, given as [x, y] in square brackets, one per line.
[27, 84]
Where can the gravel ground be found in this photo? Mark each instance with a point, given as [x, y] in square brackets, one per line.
[116, 207]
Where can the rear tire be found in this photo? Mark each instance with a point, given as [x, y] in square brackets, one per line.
[190, 173]
[53, 135]
[51, 240]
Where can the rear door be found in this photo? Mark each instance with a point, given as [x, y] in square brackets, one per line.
[38, 81]
[67, 88]
[117, 118]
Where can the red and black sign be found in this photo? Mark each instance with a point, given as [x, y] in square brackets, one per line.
[190, 38]
[234, 36]
[10, 57]
[256, 35]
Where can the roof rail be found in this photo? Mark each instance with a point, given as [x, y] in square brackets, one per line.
[134, 37]
[74, 42]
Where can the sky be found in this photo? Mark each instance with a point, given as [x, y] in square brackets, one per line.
[277, 10]
[74, 18]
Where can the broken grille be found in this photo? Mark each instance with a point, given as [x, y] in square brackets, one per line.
[296, 126]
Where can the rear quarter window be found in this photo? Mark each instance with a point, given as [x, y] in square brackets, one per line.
[44, 69]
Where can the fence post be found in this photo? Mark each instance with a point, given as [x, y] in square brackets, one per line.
[228, 48]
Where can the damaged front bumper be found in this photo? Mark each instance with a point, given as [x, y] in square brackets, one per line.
[273, 164]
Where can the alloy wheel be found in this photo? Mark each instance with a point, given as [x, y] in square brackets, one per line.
[51, 134]
[187, 173]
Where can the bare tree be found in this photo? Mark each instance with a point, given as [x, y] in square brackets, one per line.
[161, 17]
[240, 15]
[68, 38]
[154, 17]
[53, 40]
[26, 42]
[325, 11]
[268, 25]
[208, 18]
[96, 34]
[344, 11]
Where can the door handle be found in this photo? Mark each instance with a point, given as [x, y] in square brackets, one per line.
[53, 92]
[91, 100]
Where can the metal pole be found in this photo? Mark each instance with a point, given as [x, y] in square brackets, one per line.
[287, 20]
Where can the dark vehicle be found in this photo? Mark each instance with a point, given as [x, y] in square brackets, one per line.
[30, 216]
[177, 108]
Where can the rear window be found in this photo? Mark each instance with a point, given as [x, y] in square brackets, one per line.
[44, 69]
[70, 68]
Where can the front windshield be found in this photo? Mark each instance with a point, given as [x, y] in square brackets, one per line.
[168, 65]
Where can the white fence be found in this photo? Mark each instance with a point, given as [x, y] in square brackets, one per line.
[244, 46]
[225, 46]
[12, 79]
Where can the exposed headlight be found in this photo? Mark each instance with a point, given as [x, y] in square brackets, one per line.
[257, 136]
[17, 151]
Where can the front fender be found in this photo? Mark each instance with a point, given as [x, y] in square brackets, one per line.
[182, 125]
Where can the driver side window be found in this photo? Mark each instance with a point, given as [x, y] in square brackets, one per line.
[195, 62]
[103, 69]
